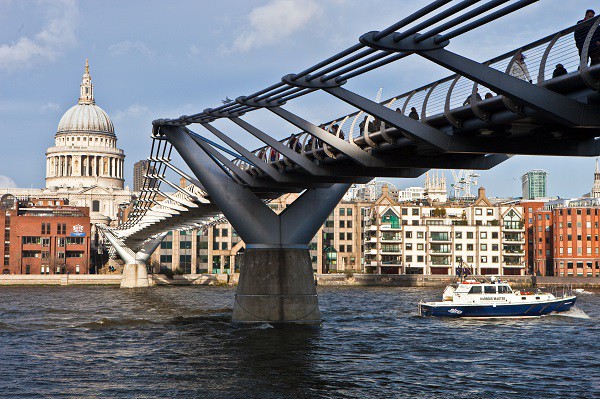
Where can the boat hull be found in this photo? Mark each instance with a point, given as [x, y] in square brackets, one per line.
[530, 309]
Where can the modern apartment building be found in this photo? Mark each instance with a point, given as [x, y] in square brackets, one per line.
[428, 239]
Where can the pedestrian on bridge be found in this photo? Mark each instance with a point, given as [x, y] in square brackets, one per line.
[559, 71]
[519, 69]
[414, 114]
[581, 34]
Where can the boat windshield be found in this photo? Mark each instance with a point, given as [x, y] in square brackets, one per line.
[476, 289]
[504, 289]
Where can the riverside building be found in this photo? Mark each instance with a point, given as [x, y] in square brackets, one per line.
[435, 238]
[44, 236]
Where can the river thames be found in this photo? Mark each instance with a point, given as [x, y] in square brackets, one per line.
[98, 342]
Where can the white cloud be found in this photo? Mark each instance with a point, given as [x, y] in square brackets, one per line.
[7, 182]
[275, 21]
[57, 35]
[127, 47]
[51, 107]
[133, 111]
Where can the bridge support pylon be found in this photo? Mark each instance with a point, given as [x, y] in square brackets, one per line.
[135, 274]
[276, 283]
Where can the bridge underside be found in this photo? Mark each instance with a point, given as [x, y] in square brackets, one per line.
[553, 116]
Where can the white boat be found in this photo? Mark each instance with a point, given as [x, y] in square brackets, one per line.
[471, 298]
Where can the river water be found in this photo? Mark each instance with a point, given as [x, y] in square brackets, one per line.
[177, 342]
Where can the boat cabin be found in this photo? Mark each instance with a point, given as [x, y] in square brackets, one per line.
[479, 288]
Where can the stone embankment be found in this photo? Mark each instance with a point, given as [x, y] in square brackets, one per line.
[365, 280]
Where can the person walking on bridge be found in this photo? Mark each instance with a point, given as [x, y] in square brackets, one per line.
[519, 69]
[581, 34]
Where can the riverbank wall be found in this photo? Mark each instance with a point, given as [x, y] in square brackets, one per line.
[325, 280]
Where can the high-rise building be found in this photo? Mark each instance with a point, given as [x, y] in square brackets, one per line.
[534, 184]
[140, 168]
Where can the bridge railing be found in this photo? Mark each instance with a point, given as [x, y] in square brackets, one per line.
[440, 97]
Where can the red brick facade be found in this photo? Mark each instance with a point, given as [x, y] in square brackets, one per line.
[566, 241]
[44, 237]
[529, 207]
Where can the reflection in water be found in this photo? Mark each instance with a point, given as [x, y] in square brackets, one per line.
[99, 342]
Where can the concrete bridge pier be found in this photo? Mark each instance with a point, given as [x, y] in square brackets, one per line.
[276, 285]
[276, 282]
[135, 276]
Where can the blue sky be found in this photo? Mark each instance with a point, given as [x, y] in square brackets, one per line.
[156, 59]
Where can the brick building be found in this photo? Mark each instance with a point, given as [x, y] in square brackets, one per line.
[44, 236]
[566, 238]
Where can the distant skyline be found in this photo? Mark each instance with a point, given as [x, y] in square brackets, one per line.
[157, 59]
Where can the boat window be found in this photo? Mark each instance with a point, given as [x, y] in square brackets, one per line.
[489, 289]
[476, 289]
[504, 289]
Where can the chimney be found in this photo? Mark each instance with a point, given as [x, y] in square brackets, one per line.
[481, 192]
[182, 182]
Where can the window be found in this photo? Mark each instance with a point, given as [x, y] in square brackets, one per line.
[224, 233]
[415, 211]
[224, 245]
[469, 259]
[216, 232]
[75, 240]
[408, 246]
[348, 236]
[569, 225]
[166, 258]
[342, 248]
[469, 235]
[484, 259]
[420, 258]
[215, 246]
[419, 234]
[60, 241]
[478, 211]
[348, 248]
[166, 245]
[476, 289]
[349, 211]
[484, 247]
[483, 234]
[489, 289]
[342, 236]
[409, 234]
[342, 211]
[349, 224]
[404, 211]
[495, 234]
[569, 237]
[61, 228]
[45, 228]
[439, 236]
[31, 240]
[469, 247]
[494, 247]
[342, 224]
[490, 212]
[458, 234]
[579, 211]
[495, 259]
[458, 247]
[95, 206]
[420, 247]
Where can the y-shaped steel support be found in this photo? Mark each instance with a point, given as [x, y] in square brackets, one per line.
[276, 282]
[135, 274]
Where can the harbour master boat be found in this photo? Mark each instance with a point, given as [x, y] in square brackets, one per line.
[471, 298]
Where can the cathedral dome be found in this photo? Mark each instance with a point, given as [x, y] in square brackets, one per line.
[88, 118]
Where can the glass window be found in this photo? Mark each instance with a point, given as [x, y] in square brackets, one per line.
[349, 211]
[342, 211]
[489, 289]
[476, 289]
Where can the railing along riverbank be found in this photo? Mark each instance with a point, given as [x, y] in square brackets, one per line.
[365, 280]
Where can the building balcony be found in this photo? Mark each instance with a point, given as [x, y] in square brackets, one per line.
[391, 251]
[440, 239]
[514, 265]
[389, 227]
[513, 228]
[513, 252]
[391, 238]
[513, 241]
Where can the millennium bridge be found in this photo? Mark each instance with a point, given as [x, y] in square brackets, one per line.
[445, 124]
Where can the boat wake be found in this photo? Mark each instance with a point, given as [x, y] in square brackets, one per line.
[574, 312]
